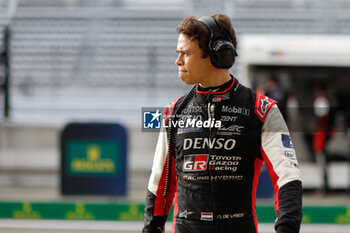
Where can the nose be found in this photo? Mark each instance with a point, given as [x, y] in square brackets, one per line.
[179, 60]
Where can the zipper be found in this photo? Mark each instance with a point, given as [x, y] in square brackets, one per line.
[211, 112]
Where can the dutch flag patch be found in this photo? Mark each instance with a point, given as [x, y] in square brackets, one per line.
[207, 216]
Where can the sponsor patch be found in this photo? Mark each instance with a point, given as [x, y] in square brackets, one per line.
[286, 141]
[194, 163]
[214, 178]
[228, 118]
[262, 106]
[191, 108]
[217, 98]
[230, 130]
[237, 110]
[290, 155]
[237, 129]
[224, 163]
[207, 216]
[184, 214]
[226, 96]
[189, 130]
[265, 103]
[203, 143]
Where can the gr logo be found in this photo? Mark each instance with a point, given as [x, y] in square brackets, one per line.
[195, 163]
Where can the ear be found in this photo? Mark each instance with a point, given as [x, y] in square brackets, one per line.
[208, 62]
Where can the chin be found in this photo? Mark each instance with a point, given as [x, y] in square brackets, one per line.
[187, 81]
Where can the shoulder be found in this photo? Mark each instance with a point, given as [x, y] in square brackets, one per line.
[263, 105]
[173, 107]
[170, 109]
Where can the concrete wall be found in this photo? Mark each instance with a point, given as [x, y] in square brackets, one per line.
[30, 155]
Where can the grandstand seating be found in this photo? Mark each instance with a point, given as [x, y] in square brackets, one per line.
[112, 45]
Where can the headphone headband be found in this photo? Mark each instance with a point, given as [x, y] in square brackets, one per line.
[210, 23]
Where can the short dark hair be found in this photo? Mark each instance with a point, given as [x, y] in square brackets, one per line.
[195, 30]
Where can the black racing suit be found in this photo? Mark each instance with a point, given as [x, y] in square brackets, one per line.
[213, 172]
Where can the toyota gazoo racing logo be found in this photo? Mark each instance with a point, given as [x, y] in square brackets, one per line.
[195, 163]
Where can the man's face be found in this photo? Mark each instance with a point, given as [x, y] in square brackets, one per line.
[192, 67]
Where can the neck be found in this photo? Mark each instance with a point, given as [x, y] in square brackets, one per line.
[216, 78]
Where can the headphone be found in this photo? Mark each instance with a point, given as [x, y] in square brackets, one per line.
[222, 52]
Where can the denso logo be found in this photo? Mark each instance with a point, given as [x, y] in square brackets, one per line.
[211, 143]
[194, 163]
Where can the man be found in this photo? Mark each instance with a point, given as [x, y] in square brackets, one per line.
[324, 112]
[212, 168]
[276, 92]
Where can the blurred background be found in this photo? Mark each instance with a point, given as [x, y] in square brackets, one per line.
[86, 61]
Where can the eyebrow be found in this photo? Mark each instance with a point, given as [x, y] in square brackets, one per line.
[182, 51]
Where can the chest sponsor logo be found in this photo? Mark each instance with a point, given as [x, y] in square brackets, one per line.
[191, 108]
[189, 130]
[195, 163]
[228, 118]
[238, 110]
[224, 163]
[286, 141]
[230, 130]
[190, 118]
[219, 98]
[184, 214]
[213, 178]
[209, 143]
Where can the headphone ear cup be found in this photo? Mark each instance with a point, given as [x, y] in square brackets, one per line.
[223, 54]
